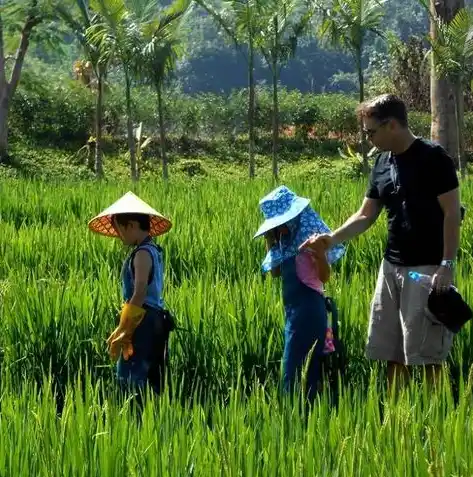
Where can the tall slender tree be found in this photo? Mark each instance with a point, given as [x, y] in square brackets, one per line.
[239, 20]
[117, 36]
[161, 45]
[79, 18]
[345, 25]
[281, 23]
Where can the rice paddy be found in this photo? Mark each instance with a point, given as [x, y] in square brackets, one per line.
[226, 415]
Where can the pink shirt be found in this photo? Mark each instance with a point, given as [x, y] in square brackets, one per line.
[307, 272]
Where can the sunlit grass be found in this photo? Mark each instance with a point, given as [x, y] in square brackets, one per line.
[59, 295]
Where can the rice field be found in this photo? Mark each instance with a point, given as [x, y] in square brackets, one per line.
[59, 297]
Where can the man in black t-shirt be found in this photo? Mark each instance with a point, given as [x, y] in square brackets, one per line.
[416, 182]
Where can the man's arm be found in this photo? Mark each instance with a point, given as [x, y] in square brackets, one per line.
[142, 264]
[359, 222]
[446, 187]
[450, 203]
[356, 225]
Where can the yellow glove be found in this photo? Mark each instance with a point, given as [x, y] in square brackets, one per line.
[120, 339]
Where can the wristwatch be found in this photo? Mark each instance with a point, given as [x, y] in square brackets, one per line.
[447, 264]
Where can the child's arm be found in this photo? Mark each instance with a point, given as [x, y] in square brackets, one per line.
[142, 264]
[323, 267]
[320, 260]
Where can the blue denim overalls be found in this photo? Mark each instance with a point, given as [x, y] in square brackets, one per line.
[305, 324]
[146, 365]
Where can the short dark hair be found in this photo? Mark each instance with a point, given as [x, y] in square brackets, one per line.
[142, 219]
[383, 108]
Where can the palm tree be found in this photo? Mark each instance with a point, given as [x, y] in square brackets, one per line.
[452, 48]
[117, 36]
[161, 46]
[280, 25]
[345, 25]
[79, 18]
[238, 19]
[443, 123]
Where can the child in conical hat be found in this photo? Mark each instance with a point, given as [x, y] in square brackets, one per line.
[289, 222]
[140, 340]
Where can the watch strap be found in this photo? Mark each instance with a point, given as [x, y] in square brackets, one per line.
[447, 263]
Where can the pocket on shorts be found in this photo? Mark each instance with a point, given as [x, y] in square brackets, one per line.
[436, 338]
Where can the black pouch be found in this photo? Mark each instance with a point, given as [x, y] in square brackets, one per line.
[169, 321]
[450, 309]
[334, 364]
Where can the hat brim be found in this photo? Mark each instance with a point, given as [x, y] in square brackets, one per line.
[297, 207]
[103, 223]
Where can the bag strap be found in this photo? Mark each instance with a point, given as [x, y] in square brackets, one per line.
[398, 186]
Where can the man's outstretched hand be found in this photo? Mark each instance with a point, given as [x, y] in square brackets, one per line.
[317, 243]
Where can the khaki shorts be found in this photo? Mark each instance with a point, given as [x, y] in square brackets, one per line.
[401, 328]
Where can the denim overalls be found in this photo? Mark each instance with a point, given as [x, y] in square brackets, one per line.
[305, 324]
[147, 364]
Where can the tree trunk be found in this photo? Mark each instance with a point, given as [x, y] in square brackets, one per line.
[274, 70]
[3, 128]
[442, 98]
[275, 122]
[98, 129]
[3, 100]
[162, 132]
[251, 107]
[361, 84]
[459, 112]
[7, 89]
[129, 125]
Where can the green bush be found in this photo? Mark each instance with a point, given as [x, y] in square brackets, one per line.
[62, 111]
[54, 111]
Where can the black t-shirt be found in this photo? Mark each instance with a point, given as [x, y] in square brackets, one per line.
[415, 218]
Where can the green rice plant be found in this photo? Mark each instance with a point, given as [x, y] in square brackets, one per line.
[417, 434]
[61, 283]
[59, 299]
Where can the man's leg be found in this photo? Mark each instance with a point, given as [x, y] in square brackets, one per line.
[385, 340]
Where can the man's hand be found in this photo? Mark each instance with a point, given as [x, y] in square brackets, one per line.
[317, 243]
[442, 279]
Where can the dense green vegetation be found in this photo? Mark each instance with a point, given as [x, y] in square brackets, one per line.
[114, 89]
[127, 96]
[59, 294]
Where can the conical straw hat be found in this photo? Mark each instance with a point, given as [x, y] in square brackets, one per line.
[129, 204]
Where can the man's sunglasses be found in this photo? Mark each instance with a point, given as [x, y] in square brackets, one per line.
[372, 132]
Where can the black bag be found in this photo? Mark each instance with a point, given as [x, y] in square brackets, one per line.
[334, 364]
[169, 321]
[449, 308]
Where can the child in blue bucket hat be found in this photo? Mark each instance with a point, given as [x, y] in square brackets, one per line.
[289, 222]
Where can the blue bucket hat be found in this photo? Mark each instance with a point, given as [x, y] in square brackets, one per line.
[284, 207]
